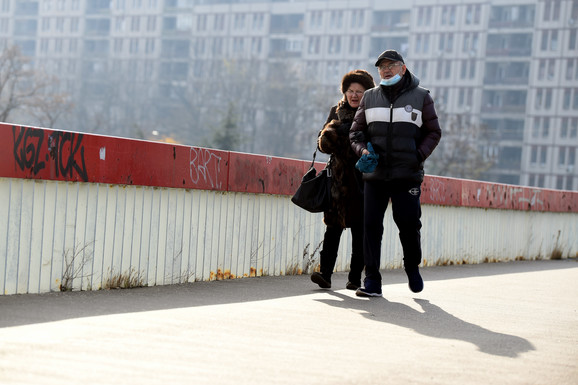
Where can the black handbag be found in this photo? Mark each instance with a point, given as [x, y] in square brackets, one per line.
[314, 193]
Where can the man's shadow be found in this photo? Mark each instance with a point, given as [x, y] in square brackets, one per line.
[433, 322]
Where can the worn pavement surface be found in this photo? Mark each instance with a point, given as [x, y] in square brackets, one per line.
[500, 323]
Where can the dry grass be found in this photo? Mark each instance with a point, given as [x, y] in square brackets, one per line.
[127, 280]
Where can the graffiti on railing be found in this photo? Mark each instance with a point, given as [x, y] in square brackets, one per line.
[437, 190]
[509, 196]
[206, 164]
[27, 145]
[519, 195]
[64, 148]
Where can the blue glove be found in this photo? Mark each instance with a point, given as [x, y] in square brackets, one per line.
[368, 162]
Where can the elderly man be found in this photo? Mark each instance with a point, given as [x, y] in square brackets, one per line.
[398, 121]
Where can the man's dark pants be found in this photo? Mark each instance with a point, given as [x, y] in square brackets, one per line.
[406, 211]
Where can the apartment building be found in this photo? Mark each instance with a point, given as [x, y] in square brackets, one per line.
[510, 66]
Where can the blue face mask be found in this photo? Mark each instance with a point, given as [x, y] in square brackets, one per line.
[391, 81]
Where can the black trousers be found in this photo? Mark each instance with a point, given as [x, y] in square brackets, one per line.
[328, 254]
[406, 212]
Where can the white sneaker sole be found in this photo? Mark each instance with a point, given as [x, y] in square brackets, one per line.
[361, 293]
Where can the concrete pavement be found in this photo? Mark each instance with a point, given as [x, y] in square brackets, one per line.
[501, 323]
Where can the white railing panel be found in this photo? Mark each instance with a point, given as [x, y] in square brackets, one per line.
[83, 236]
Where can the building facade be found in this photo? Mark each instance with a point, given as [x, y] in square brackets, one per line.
[510, 67]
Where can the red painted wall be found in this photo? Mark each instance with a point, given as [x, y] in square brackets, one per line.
[37, 153]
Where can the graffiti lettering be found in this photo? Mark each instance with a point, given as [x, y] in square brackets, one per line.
[65, 148]
[437, 191]
[205, 163]
[27, 147]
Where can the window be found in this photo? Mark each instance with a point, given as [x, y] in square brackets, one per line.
[570, 99]
[424, 16]
[444, 69]
[334, 44]
[219, 22]
[572, 39]
[357, 19]
[119, 24]
[446, 43]
[238, 45]
[256, 44]
[468, 69]
[473, 14]
[549, 40]
[74, 23]
[541, 127]
[569, 128]
[422, 43]
[448, 15]
[149, 46]
[355, 44]
[336, 19]
[316, 20]
[239, 21]
[43, 45]
[45, 24]
[135, 23]
[566, 155]
[537, 180]
[546, 69]
[5, 6]
[314, 45]
[133, 46]
[117, 45]
[470, 42]
[551, 10]
[151, 23]
[258, 21]
[465, 97]
[420, 69]
[333, 71]
[201, 23]
[543, 99]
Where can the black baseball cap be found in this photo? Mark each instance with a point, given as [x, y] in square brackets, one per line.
[390, 54]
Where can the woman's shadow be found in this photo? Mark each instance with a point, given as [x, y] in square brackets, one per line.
[433, 322]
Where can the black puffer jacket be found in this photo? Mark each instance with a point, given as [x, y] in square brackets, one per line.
[347, 186]
[402, 126]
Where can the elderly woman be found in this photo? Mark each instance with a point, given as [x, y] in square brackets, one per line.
[347, 186]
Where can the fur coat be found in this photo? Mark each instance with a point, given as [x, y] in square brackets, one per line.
[347, 185]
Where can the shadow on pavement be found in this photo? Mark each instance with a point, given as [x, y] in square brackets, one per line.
[434, 322]
[25, 309]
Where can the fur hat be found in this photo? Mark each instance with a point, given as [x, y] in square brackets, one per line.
[357, 76]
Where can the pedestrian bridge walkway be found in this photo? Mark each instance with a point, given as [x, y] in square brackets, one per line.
[494, 323]
[85, 212]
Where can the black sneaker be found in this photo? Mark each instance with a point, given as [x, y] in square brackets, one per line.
[323, 282]
[415, 280]
[371, 289]
[353, 285]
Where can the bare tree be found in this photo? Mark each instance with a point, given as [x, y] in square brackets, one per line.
[25, 90]
[459, 154]
[47, 110]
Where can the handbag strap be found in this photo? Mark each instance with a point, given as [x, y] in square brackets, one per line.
[314, 155]
[327, 166]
